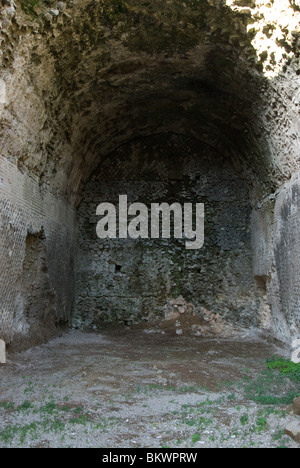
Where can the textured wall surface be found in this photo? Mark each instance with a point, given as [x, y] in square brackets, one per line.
[80, 79]
[276, 239]
[83, 77]
[128, 281]
[37, 259]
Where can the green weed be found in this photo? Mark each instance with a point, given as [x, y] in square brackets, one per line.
[287, 368]
[28, 6]
[7, 405]
[271, 388]
[27, 405]
[196, 438]
[244, 419]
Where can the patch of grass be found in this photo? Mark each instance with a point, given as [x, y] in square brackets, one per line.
[226, 384]
[27, 405]
[28, 428]
[57, 426]
[278, 435]
[205, 422]
[196, 438]
[208, 402]
[101, 425]
[9, 432]
[244, 419]
[261, 424]
[190, 389]
[272, 400]
[268, 411]
[285, 367]
[49, 421]
[272, 388]
[7, 405]
[278, 384]
[169, 388]
[65, 409]
[82, 419]
[48, 408]
[30, 388]
[190, 422]
[78, 410]
[152, 387]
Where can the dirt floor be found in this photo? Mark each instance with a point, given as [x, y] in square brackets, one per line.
[132, 388]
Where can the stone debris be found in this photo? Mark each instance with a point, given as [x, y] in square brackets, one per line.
[293, 427]
[176, 307]
[184, 318]
[2, 352]
[293, 430]
[296, 406]
[2, 92]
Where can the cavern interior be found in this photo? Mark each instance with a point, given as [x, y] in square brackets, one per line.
[194, 101]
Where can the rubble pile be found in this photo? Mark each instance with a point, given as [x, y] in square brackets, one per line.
[183, 318]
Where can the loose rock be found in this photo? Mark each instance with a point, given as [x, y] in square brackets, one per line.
[293, 430]
[2, 352]
[296, 406]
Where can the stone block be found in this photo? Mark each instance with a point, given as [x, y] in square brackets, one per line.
[296, 406]
[2, 352]
[2, 92]
[293, 430]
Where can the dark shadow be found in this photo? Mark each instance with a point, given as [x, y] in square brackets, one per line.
[294, 5]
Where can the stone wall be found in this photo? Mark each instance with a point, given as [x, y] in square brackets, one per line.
[276, 240]
[91, 75]
[80, 79]
[130, 281]
[37, 244]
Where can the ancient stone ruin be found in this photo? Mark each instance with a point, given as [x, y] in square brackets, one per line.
[165, 101]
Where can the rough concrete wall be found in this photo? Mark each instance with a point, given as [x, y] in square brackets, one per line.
[276, 245]
[90, 75]
[35, 275]
[130, 281]
[79, 78]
